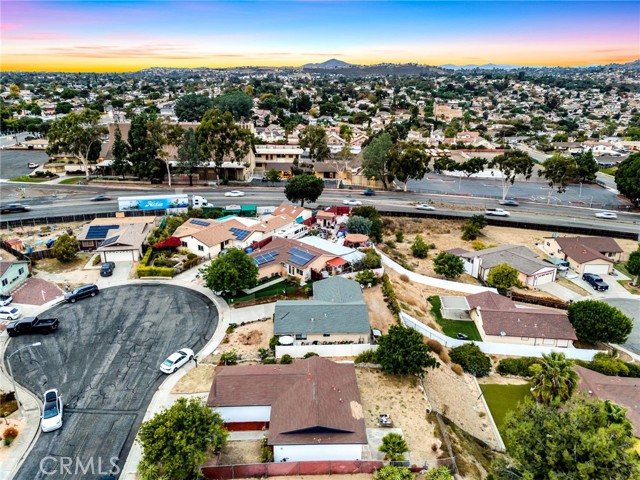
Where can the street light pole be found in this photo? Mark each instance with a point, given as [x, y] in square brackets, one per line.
[13, 380]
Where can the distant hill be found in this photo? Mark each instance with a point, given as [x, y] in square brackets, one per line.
[333, 63]
[487, 66]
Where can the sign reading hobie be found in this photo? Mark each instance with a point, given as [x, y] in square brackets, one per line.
[160, 202]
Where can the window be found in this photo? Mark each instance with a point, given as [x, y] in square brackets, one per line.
[4, 282]
[200, 248]
[559, 251]
[326, 334]
[301, 336]
[548, 244]
[21, 271]
[184, 244]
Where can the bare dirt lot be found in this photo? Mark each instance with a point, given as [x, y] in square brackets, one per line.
[380, 316]
[248, 338]
[241, 452]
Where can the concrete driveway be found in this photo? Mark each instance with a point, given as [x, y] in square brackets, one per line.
[104, 360]
[560, 291]
[615, 289]
[630, 307]
[120, 275]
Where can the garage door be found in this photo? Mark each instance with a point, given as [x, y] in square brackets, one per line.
[598, 269]
[118, 256]
[542, 279]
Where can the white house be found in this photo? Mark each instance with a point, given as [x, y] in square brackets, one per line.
[12, 274]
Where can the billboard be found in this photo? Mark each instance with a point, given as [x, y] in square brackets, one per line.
[160, 202]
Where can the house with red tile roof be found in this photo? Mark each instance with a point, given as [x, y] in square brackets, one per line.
[312, 408]
[585, 254]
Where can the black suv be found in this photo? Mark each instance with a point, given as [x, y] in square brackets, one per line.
[595, 281]
[106, 270]
[84, 291]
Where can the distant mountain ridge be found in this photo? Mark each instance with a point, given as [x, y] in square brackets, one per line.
[486, 66]
[332, 63]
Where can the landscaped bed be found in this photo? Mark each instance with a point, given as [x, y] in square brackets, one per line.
[277, 291]
[503, 398]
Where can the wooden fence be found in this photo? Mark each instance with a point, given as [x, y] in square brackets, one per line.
[260, 470]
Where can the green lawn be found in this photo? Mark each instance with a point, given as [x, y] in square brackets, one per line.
[28, 179]
[609, 171]
[503, 398]
[71, 181]
[452, 327]
[275, 289]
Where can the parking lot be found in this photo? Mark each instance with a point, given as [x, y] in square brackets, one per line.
[104, 360]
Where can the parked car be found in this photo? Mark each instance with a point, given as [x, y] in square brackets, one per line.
[106, 270]
[52, 411]
[462, 336]
[176, 360]
[607, 215]
[595, 281]
[509, 203]
[9, 313]
[84, 291]
[234, 193]
[101, 198]
[352, 202]
[32, 325]
[5, 300]
[15, 208]
[496, 212]
[425, 206]
[369, 192]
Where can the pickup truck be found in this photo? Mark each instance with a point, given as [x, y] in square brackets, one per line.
[496, 212]
[32, 325]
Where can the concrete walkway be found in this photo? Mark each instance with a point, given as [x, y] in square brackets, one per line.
[557, 290]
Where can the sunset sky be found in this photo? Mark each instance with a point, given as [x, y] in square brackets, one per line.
[130, 35]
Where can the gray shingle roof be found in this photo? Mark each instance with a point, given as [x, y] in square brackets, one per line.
[520, 258]
[337, 290]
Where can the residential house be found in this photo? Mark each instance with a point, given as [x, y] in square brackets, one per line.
[585, 254]
[124, 244]
[267, 155]
[345, 255]
[209, 237]
[13, 274]
[98, 230]
[498, 319]
[470, 138]
[311, 408]
[531, 270]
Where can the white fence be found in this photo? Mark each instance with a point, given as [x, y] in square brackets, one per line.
[433, 282]
[340, 350]
[496, 348]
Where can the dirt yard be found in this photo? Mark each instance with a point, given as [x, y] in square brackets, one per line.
[380, 316]
[247, 339]
[241, 452]
[197, 380]
[401, 398]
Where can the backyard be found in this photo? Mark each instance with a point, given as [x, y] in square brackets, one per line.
[503, 398]
[281, 290]
[453, 327]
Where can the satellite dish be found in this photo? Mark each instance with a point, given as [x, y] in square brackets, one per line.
[286, 340]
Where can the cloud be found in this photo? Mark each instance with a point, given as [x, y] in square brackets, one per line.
[322, 54]
[39, 36]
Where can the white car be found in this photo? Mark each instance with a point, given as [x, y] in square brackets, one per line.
[234, 193]
[352, 202]
[497, 212]
[51, 411]
[607, 215]
[5, 300]
[9, 313]
[425, 206]
[176, 360]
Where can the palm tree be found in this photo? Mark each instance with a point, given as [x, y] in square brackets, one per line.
[554, 379]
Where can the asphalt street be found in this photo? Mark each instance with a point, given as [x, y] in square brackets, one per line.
[104, 360]
[631, 308]
[13, 163]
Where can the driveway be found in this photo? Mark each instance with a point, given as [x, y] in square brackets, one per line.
[560, 291]
[104, 360]
[631, 308]
[615, 289]
[120, 274]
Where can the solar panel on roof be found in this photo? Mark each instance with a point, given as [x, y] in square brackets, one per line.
[96, 232]
[109, 241]
[202, 223]
[239, 233]
[298, 260]
[301, 253]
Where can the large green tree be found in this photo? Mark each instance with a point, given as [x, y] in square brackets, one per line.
[503, 277]
[357, 224]
[65, 248]
[231, 271]
[403, 352]
[581, 440]
[120, 163]
[238, 103]
[633, 265]
[222, 139]
[192, 107]
[314, 137]
[596, 321]
[628, 178]
[408, 160]
[559, 171]
[448, 265]
[370, 212]
[586, 167]
[143, 147]
[76, 134]
[553, 380]
[176, 441]
[471, 166]
[190, 156]
[305, 187]
[512, 164]
[376, 159]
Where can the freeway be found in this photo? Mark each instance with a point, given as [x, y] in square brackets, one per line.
[55, 200]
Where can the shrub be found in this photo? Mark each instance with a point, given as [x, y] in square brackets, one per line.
[393, 446]
[191, 256]
[229, 358]
[155, 272]
[435, 346]
[391, 244]
[65, 247]
[633, 370]
[368, 356]
[609, 364]
[457, 369]
[404, 277]
[96, 260]
[371, 259]
[444, 356]
[310, 354]
[399, 236]
[471, 359]
[419, 248]
[147, 257]
[516, 366]
[286, 359]
[367, 277]
[266, 455]
[10, 433]
[273, 341]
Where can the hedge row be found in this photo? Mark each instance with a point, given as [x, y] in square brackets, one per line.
[390, 296]
[146, 271]
[516, 366]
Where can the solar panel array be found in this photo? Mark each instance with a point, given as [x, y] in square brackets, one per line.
[109, 241]
[97, 232]
[202, 223]
[240, 233]
[265, 258]
[301, 253]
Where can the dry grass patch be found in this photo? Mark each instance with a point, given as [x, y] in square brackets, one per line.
[247, 339]
[241, 452]
[380, 316]
[51, 265]
[197, 380]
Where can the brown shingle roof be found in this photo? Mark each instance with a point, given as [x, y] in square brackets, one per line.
[585, 249]
[623, 391]
[312, 401]
[215, 234]
[489, 300]
[527, 322]
[282, 245]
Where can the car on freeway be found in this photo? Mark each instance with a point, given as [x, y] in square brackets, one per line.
[607, 215]
[496, 212]
[369, 192]
[5, 300]
[89, 290]
[176, 360]
[106, 269]
[9, 313]
[15, 208]
[595, 281]
[509, 203]
[101, 198]
[425, 206]
[352, 202]
[234, 193]
[51, 411]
